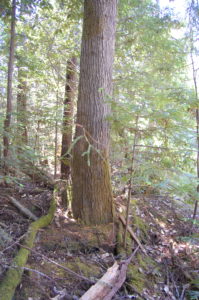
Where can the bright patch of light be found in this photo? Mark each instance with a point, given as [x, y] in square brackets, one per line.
[178, 6]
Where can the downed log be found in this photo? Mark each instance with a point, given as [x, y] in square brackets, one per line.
[14, 274]
[133, 235]
[25, 211]
[111, 281]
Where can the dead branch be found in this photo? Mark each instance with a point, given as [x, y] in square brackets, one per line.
[23, 209]
[111, 281]
[133, 235]
[39, 273]
[57, 264]
[3, 225]
[14, 243]
[4, 237]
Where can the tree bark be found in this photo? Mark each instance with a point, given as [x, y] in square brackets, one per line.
[68, 116]
[22, 137]
[56, 133]
[197, 128]
[7, 122]
[92, 191]
[197, 161]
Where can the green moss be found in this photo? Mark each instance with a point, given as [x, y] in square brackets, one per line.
[14, 274]
[86, 269]
[141, 225]
[120, 240]
[138, 222]
[145, 262]
[136, 278]
[140, 275]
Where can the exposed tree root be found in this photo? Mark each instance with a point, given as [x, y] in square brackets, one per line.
[14, 274]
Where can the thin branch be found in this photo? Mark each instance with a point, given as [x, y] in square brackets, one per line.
[13, 244]
[57, 264]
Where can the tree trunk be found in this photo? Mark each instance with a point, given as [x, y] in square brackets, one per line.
[22, 137]
[197, 162]
[68, 116]
[7, 121]
[92, 191]
[197, 128]
[56, 133]
[197, 131]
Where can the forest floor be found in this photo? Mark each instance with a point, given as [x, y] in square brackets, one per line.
[67, 257]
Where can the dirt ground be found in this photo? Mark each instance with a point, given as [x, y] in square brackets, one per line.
[68, 257]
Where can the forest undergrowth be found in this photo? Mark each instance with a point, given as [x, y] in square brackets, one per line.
[67, 257]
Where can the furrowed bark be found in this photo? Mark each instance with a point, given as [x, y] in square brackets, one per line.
[7, 122]
[92, 191]
[68, 117]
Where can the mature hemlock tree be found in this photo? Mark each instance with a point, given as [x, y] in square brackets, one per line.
[92, 192]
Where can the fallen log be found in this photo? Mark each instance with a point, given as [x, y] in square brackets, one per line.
[25, 211]
[14, 274]
[133, 235]
[111, 281]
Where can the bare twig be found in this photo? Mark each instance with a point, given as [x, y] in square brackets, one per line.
[14, 243]
[184, 288]
[3, 225]
[39, 273]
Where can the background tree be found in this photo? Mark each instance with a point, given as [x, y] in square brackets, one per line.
[68, 117]
[22, 117]
[7, 122]
[193, 30]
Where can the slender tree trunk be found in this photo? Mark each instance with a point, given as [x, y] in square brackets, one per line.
[68, 116]
[7, 122]
[22, 136]
[131, 171]
[56, 133]
[92, 191]
[197, 130]
[197, 126]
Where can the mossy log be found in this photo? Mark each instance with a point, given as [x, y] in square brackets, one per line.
[14, 274]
